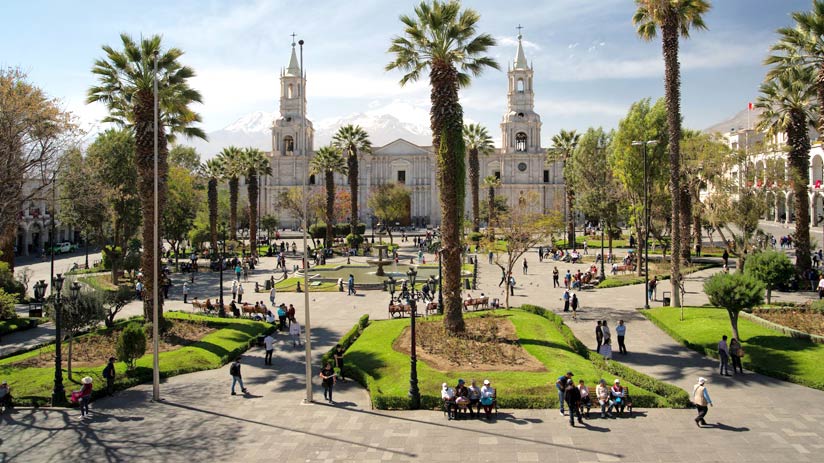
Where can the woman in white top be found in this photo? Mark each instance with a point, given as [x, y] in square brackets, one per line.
[603, 393]
[487, 398]
[294, 331]
[586, 400]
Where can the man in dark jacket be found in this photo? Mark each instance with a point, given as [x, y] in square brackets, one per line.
[572, 396]
[234, 371]
[109, 374]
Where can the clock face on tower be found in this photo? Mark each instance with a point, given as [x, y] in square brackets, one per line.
[522, 166]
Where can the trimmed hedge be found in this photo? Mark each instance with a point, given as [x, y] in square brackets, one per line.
[19, 324]
[347, 340]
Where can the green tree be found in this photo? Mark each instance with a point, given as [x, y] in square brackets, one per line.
[771, 268]
[643, 122]
[352, 141]
[115, 301]
[131, 344]
[255, 164]
[34, 131]
[674, 18]
[82, 197]
[213, 170]
[269, 222]
[390, 203]
[186, 157]
[563, 147]
[478, 142]
[80, 314]
[801, 46]
[785, 102]
[328, 161]
[183, 200]
[491, 182]
[443, 39]
[126, 82]
[8, 301]
[230, 159]
[734, 292]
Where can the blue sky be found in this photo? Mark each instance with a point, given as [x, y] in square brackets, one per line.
[589, 63]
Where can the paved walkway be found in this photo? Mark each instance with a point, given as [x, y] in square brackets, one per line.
[755, 418]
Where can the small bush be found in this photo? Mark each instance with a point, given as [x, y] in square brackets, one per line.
[7, 281]
[354, 241]
[347, 340]
[131, 344]
[475, 237]
[7, 303]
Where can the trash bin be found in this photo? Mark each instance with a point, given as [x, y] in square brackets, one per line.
[268, 285]
[467, 284]
[666, 298]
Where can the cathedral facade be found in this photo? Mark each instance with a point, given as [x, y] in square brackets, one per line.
[520, 162]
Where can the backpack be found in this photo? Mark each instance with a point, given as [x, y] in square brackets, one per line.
[107, 372]
[234, 370]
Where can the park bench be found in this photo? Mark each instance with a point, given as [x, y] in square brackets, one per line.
[431, 308]
[475, 303]
[399, 310]
[251, 309]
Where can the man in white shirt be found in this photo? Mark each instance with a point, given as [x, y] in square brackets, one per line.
[269, 341]
[294, 331]
[272, 294]
[621, 332]
[234, 289]
[239, 293]
[724, 356]
[448, 397]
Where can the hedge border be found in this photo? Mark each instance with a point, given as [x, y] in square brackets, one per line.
[793, 333]
[26, 324]
[714, 355]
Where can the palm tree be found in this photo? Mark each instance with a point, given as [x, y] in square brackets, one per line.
[232, 170]
[802, 46]
[491, 182]
[328, 161]
[563, 146]
[675, 18]
[125, 85]
[213, 170]
[477, 141]
[786, 103]
[255, 164]
[443, 39]
[352, 140]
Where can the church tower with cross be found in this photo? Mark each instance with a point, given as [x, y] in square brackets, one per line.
[287, 137]
[521, 126]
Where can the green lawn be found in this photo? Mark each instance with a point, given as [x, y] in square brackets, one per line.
[19, 324]
[767, 351]
[385, 372]
[291, 285]
[630, 278]
[33, 386]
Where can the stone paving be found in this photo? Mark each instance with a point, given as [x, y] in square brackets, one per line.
[755, 418]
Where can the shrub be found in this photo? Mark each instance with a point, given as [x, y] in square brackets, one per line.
[734, 292]
[361, 228]
[7, 303]
[318, 230]
[347, 340]
[131, 344]
[771, 268]
[111, 254]
[341, 229]
[7, 281]
[354, 241]
[476, 237]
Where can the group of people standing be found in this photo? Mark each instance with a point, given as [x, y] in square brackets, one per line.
[603, 337]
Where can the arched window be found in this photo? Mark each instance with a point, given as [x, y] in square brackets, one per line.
[290, 91]
[288, 144]
[520, 142]
[520, 86]
[312, 179]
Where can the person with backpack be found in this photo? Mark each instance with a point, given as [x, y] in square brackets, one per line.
[109, 375]
[234, 371]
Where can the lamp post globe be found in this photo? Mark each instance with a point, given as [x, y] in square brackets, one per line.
[58, 393]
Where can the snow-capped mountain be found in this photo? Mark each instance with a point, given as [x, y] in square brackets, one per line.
[254, 129]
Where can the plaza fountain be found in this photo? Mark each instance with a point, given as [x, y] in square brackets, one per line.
[380, 261]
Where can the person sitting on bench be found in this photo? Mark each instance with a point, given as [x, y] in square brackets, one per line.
[448, 398]
[461, 398]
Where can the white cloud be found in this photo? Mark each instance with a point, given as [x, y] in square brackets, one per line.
[506, 41]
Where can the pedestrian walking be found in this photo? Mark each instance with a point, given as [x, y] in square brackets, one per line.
[84, 396]
[652, 288]
[490, 259]
[281, 317]
[327, 379]
[736, 353]
[574, 305]
[726, 257]
[240, 293]
[599, 336]
[701, 399]
[621, 332]
[351, 285]
[234, 290]
[561, 385]
[821, 287]
[339, 361]
[724, 357]
[526, 266]
[269, 342]
[294, 332]
[572, 396]
[238, 271]
[272, 294]
[109, 374]
[555, 283]
[511, 284]
[566, 298]
[185, 292]
[503, 278]
[234, 371]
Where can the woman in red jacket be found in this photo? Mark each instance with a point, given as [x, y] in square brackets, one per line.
[85, 396]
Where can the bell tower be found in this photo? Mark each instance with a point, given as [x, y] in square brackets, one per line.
[287, 137]
[521, 126]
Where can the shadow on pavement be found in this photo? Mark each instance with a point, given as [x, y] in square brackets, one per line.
[725, 427]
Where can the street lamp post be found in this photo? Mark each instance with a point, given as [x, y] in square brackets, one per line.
[644, 145]
[155, 256]
[414, 392]
[303, 140]
[220, 262]
[59, 393]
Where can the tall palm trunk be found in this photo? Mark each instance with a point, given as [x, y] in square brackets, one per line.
[686, 224]
[352, 162]
[446, 120]
[672, 91]
[819, 92]
[212, 198]
[144, 157]
[330, 207]
[474, 184]
[233, 193]
[570, 199]
[491, 207]
[799, 160]
[252, 190]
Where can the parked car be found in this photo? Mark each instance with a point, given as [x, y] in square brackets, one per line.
[64, 247]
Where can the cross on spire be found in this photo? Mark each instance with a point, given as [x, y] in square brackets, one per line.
[519, 30]
[293, 39]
